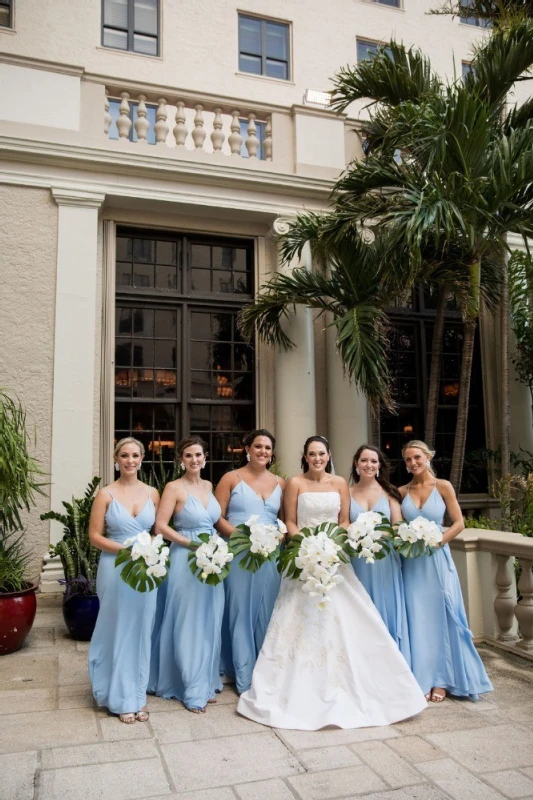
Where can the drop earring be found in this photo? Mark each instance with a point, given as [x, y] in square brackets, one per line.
[358, 470]
[205, 462]
[182, 465]
[408, 470]
[117, 467]
[247, 456]
[377, 474]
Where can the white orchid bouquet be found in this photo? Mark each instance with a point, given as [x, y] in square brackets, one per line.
[210, 558]
[370, 536]
[146, 560]
[314, 556]
[258, 540]
[420, 537]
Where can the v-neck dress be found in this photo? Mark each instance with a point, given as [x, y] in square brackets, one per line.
[186, 640]
[119, 653]
[250, 597]
[383, 581]
[442, 649]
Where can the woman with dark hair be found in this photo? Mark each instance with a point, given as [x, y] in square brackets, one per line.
[186, 641]
[372, 490]
[337, 666]
[249, 490]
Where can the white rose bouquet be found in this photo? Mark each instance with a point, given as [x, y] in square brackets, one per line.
[259, 541]
[314, 557]
[209, 558]
[145, 560]
[370, 537]
[420, 537]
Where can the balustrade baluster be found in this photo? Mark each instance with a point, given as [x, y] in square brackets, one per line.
[235, 137]
[252, 142]
[180, 128]
[161, 127]
[124, 122]
[217, 137]
[504, 604]
[524, 607]
[108, 119]
[198, 134]
[142, 125]
[267, 143]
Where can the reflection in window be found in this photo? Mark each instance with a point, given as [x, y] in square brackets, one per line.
[114, 111]
[481, 23]
[131, 25]
[264, 47]
[6, 14]
[366, 48]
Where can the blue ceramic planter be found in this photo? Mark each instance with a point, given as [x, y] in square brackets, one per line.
[80, 612]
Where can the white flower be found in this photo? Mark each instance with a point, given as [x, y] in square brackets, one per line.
[421, 529]
[212, 556]
[282, 527]
[157, 570]
[252, 519]
[407, 533]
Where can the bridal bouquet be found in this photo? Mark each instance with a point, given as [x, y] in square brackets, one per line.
[209, 558]
[260, 542]
[145, 560]
[420, 537]
[369, 537]
[314, 557]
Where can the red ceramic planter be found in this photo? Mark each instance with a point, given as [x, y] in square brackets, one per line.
[17, 612]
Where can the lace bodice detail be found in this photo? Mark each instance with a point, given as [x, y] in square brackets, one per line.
[317, 507]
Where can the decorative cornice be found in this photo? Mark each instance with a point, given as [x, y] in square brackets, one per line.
[74, 197]
[37, 63]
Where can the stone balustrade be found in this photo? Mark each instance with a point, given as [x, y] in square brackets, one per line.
[500, 608]
[183, 123]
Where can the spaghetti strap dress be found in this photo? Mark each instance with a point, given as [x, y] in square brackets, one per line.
[442, 649]
[383, 581]
[119, 653]
[250, 597]
[186, 639]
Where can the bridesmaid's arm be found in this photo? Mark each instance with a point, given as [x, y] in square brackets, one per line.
[173, 496]
[290, 506]
[97, 525]
[223, 494]
[344, 513]
[452, 506]
[395, 511]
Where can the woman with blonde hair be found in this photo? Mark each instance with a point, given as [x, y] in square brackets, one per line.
[443, 656]
[119, 653]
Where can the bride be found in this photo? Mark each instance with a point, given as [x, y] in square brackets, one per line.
[335, 667]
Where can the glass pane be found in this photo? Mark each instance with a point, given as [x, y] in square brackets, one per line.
[222, 281]
[143, 276]
[200, 325]
[123, 353]
[124, 277]
[116, 39]
[243, 386]
[165, 353]
[222, 419]
[242, 283]
[145, 16]
[163, 446]
[123, 318]
[165, 324]
[143, 353]
[164, 417]
[165, 383]
[243, 418]
[166, 252]
[201, 280]
[250, 64]
[222, 356]
[144, 44]
[250, 35]
[116, 13]
[394, 3]
[200, 255]
[122, 382]
[124, 248]
[143, 322]
[222, 257]
[143, 382]
[222, 325]
[4, 17]
[199, 416]
[223, 385]
[143, 250]
[200, 384]
[277, 69]
[201, 355]
[122, 416]
[365, 49]
[142, 418]
[240, 259]
[243, 355]
[277, 41]
[166, 278]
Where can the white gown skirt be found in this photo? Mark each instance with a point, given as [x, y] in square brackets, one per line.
[335, 667]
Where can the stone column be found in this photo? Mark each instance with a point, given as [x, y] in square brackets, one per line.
[295, 381]
[74, 356]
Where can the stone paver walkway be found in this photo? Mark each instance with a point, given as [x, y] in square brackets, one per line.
[55, 745]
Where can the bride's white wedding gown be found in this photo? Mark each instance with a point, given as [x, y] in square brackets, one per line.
[335, 667]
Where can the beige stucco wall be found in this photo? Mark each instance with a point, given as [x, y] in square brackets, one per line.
[28, 242]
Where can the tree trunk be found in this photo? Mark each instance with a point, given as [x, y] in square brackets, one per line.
[375, 427]
[505, 434]
[462, 410]
[434, 375]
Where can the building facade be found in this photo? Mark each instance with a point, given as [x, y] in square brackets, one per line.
[151, 151]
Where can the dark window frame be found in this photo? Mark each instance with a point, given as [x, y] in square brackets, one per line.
[361, 41]
[264, 21]
[9, 5]
[130, 31]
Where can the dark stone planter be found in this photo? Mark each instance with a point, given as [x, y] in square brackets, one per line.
[80, 612]
[17, 612]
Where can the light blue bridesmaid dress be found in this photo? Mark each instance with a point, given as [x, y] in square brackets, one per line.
[250, 597]
[442, 650]
[186, 640]
[119, 653]
[384, 583]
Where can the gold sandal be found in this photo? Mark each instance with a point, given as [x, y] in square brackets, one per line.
[128, 719]
[142, 715]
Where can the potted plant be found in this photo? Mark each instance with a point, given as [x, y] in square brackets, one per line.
[19, 484]
[80, 562]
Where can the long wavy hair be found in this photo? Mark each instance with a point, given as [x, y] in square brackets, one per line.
[249, 439]
[384, 471]
[428, 452]
[303, 462]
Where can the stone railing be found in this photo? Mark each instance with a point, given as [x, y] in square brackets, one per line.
[500, 610]
[208, 126]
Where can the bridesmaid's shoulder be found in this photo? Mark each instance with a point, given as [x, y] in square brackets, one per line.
[444, 487]
[229, 480]
[174, 488]
[403, 490]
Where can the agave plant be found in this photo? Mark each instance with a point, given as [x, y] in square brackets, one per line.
[78, 558]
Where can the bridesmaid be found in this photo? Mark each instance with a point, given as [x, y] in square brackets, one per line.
[119, 653]
[372, 490]
[250, 597]
[443, 656]
[186, 641]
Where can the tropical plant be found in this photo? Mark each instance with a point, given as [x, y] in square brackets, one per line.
[78, 558]
[20, 483]
[521, 307]
[515, 496]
